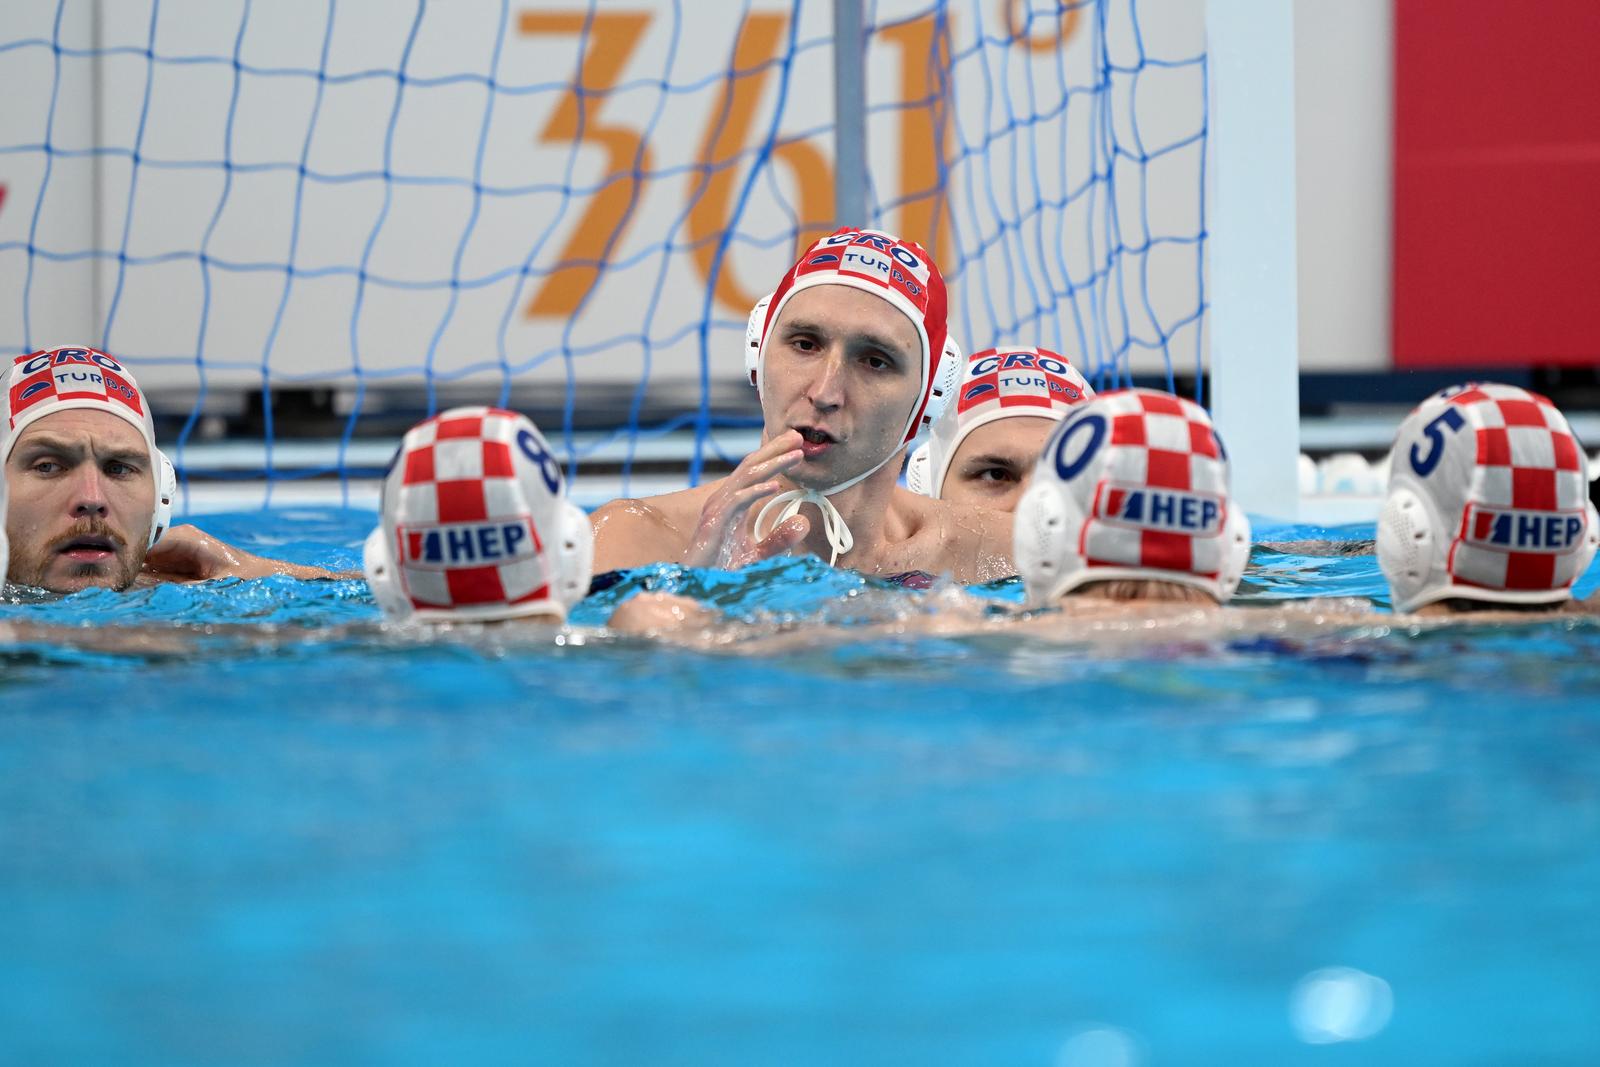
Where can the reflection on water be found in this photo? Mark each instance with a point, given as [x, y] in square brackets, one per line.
[304, 837]
[1334, 1004]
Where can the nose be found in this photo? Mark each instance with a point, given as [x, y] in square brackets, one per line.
[826, 391]
[89, 492]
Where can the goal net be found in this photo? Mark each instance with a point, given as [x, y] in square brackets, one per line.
[331, 217]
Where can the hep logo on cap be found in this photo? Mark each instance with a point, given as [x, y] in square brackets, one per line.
[1488, 501]
[1132, 485]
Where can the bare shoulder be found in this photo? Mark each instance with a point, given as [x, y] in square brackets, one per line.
[971, 543]
[636, 531]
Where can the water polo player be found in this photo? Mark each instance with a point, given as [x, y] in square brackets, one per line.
[983, 448]
[90, 494]
[1130, 501]
[476, 526]
[1488, 505]
[850, 357]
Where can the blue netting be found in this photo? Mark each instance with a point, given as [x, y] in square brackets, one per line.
[472, 202]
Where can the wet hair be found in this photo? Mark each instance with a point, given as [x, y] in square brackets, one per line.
[1127, 589]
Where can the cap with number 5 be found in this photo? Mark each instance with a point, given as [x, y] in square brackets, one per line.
[1488, 500]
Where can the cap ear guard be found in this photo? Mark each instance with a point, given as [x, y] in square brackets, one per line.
[377, 562]
[573, 556]
[1406, 550]
[166, 492]
[752, 336]
[1042, 532]
[1591, 539]
[945, 375]
[1236, 554]
[918, 471]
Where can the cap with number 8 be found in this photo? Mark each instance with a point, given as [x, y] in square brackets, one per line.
[476, 525]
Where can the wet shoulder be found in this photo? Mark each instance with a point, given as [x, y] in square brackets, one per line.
[973, 543]
[633, 531]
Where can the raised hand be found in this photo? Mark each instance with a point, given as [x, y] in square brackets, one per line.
[723, 538]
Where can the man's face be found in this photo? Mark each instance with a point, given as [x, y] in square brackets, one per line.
[992, 467]
[844, 368]
[82, 499]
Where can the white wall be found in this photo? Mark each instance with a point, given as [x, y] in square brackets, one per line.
[1342, 52]
[1344, 113]
[49, 297]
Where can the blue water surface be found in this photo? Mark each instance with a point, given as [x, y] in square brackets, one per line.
[281, 833]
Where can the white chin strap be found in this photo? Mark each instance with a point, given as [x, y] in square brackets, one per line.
[834, 528]
[840, 539]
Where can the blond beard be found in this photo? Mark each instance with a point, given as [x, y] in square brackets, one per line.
[30, 562]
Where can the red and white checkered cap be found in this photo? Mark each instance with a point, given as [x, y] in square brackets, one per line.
[999, 383]
[77, 377]
[475, 524]
[1488, 500]
[1132, 484]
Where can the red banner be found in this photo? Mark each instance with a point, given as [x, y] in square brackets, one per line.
[1497, 183]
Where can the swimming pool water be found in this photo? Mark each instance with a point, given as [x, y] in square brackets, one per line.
[286, 836]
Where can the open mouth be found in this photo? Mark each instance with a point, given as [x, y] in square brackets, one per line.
[814, 442]
[89, 549]
[812, 435]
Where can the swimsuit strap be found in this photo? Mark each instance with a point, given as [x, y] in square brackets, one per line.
[833, 525]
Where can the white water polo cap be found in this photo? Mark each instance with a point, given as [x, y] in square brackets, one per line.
[900, 272]
[1488, 500]
[76, 377]
[476, 525]
[1132, 485]
[999, 383]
